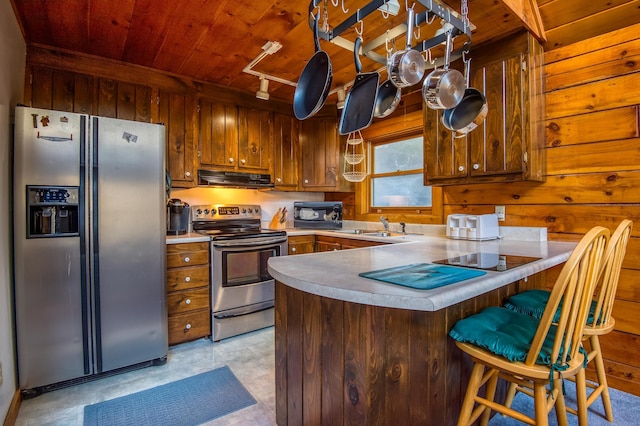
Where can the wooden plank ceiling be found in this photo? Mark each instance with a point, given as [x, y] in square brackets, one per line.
[212, 41]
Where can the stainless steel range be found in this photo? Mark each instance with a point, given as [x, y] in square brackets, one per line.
[242, 290]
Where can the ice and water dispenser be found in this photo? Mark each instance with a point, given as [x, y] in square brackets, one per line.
[52, 211]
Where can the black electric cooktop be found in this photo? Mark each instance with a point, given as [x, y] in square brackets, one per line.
[488, 261]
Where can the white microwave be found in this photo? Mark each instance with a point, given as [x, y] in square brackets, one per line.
[317, 215]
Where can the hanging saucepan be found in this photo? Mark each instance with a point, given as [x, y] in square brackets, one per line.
[406, 67]
[361, 98]
[314, 82]
[443, 88]
[469, 113]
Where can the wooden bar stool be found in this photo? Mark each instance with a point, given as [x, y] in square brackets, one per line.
[521, 349]
[599, 321]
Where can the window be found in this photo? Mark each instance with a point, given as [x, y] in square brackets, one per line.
[397, 174]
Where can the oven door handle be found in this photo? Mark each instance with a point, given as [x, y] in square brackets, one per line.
[249, 242]
[245, 310]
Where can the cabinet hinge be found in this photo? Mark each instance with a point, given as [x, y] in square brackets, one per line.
[199, 154]
[158, 100]
[524, 156]
[198, 108]
[30, 79]
[524, 65]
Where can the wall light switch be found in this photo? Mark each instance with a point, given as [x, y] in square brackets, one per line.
[500, 212]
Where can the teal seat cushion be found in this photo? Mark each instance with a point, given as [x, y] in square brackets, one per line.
[534, 302]
[503, 332]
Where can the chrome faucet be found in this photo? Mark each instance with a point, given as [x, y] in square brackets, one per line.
[385, 223]
[402, 225]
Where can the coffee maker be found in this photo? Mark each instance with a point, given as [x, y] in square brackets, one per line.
[177, 217]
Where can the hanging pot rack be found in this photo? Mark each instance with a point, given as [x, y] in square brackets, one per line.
[434, 9]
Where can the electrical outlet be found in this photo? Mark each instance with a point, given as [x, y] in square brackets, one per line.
[500, 212]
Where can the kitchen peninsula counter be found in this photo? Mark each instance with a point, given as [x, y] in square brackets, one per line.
[351, 350]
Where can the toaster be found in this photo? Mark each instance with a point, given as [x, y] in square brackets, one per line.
[473, 227]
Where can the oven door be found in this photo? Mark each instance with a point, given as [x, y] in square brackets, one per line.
[239, 272]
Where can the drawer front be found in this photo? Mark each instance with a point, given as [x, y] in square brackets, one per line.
[189, 277]
[189, 326]
[182, 247]
[188, 300]
[188, 258]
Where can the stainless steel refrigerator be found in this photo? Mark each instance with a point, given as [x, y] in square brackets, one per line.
[89, 246]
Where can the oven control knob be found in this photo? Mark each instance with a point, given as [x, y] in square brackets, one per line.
[206, 211]
[257, 210]
[198, 211]
[213, 211]
[244, 210]
[250, 210]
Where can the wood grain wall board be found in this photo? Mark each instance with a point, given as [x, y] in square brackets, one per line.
[42, 93]
[63, 91]
[83, 94]
[625, 313]
[295, 357]
[333, 384]
[280, 343]
[558, 13]
[612, 124]
[105, 17]
[612, 156]
[622, 376]
[107, 98]
[609, 19]
[312, 361]
[624, 34]
[596, 96]
[560, 219]
[621, 347]
[594, 66]
[573, 189]
[628, 288]
[396, 360]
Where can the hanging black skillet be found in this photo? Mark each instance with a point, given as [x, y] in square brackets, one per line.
[361, 98]
[469, 113]
[314, 82]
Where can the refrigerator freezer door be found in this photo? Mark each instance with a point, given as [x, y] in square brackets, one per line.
[128, 209]
[48, 281]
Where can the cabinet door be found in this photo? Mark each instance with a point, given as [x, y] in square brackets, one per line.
[255, 139]
[320, 145]
[285, 161]
[177, 114]
[327, 246]
[496, 147]
[218, 135]
[445, 157]
[301, 244]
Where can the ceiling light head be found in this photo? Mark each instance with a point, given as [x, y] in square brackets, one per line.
[263, 92]
[341, 97]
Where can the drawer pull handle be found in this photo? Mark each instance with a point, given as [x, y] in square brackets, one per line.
[188, 301]
[187, 279]
[187, 260]
[293, 249]
[187, 327]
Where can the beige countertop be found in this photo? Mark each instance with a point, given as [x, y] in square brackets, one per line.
[191, 237]
[335, 274]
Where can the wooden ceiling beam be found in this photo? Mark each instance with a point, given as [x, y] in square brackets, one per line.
[529, 14]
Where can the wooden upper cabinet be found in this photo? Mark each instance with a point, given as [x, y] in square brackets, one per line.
[320, 153]
[509, 145]
[285, 152]
[235, 138]
[177, 113]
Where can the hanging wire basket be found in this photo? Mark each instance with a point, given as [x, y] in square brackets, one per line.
[355, 176]
[354, 158]
[355, 138]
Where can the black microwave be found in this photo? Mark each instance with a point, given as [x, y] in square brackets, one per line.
[317, 215]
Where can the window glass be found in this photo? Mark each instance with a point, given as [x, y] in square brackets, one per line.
[397, 177]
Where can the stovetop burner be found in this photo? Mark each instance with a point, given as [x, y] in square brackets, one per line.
[488, 261]
[230, 221]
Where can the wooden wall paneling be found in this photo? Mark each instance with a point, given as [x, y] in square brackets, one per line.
[625, 313]
[423, 356]
[628, 288]
[281, 344]
[620, 155]
[595, 96]
[396, 359]
[609, 19]
[295, 361]
[83, 94]
[560, 219]
[63, 91]
[608, 125]
[355, 374]
[569, 189]
[620, 375]
[41, 80]
[177, 112]
[107, 98]
[126, 101]
[312, 358]
[333, 384]
[601, 64]
[143, 103]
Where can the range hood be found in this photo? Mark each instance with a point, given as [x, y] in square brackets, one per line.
[234, 179]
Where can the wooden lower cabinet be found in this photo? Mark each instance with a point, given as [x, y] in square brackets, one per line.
[301, 244]
[188, 291]
[325, 243]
